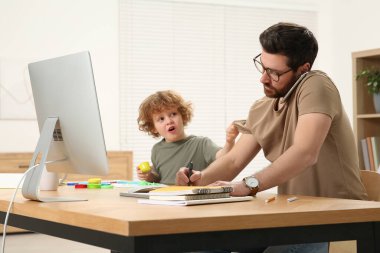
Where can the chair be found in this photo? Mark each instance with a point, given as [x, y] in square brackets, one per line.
[371, 182]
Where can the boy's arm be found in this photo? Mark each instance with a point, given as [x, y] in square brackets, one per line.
[231, 134]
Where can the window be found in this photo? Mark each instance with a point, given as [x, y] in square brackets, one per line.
[202, 50]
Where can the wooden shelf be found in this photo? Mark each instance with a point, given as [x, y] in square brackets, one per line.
[366, 121]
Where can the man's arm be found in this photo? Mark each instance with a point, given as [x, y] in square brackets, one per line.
[310, 134]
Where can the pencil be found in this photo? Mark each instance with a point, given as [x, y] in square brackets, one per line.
[270, 199]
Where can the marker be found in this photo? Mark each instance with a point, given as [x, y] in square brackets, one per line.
[190, 167]
[270, 199]
[292, 199]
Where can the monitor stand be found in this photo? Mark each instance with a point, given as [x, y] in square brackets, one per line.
[31, 185]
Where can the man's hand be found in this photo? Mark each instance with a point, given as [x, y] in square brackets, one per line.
[239, 188]
[182, 177]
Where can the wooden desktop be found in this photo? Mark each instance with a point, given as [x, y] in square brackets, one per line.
[122, 225]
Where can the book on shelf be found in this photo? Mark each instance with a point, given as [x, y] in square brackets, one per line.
[376, 149]
[367, 166]
[189, 190]
[193, 202]
[371, 152]
[191, 196]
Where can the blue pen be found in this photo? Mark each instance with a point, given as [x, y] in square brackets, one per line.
[190, 167]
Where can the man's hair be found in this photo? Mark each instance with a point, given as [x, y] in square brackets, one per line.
[295, 42]
[158, 102]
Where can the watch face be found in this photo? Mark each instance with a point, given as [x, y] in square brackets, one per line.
[252, 182]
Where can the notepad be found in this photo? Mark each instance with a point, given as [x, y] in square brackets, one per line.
[191, 197]
[189, 190]
[140, 192]
[193, 202]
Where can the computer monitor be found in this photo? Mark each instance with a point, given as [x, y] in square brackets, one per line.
[71, 135]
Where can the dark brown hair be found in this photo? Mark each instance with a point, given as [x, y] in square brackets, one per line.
[296, 42]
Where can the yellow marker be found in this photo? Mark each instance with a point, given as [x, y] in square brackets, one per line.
[94, 180]
[144, 167]
[270, 199]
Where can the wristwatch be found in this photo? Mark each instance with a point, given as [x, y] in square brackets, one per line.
[252, 183]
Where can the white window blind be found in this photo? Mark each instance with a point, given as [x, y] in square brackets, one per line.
[202, 50]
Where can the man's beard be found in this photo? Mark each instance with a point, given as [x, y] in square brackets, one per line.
[278, 93]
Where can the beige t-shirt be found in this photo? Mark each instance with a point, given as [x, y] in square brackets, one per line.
[336, 174]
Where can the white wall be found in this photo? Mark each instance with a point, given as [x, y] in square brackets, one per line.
[39, 29]
[355, 28]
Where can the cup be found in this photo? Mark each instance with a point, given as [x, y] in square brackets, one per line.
[144, 167]
[49, 180]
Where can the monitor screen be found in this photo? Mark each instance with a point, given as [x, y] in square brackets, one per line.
[71, 134]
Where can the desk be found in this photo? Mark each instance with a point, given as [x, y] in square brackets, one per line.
[122, 225]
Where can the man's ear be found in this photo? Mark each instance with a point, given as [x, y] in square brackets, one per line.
[304, 68]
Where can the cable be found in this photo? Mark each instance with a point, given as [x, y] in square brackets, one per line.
[11, 204]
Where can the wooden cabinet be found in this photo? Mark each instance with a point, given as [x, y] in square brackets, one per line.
[120, 167]
[366, 121]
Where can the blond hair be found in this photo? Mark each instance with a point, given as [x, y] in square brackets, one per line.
[158, 102]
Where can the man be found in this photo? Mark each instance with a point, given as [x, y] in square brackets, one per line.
[300, 124]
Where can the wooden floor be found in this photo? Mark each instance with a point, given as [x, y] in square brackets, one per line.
[37, 243]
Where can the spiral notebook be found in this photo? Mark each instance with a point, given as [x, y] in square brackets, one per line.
[191, 196]
[193, 202]
[189, 190]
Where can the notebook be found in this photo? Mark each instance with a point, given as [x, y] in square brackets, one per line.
[189, 190]
[139, 192]
[193, 202]
[191, 196]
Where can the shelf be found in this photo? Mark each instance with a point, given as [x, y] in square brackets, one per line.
[366, 121]
[368, 116]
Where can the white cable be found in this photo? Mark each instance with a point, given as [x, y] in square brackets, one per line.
[10, 206]
[11, 203]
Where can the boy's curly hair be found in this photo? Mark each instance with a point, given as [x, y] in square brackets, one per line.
[158, 102]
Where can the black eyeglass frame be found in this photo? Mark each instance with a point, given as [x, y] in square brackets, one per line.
[273, 74]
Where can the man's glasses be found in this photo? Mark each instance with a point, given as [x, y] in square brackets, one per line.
[273, 74]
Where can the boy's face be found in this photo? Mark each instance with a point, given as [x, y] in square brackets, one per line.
[169, 124]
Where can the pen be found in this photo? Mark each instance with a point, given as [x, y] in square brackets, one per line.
[292, 199]
[270, 199]
[190, 167]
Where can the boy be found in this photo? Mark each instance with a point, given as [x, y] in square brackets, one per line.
[165, 114]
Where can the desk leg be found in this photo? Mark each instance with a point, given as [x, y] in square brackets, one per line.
[372, 243]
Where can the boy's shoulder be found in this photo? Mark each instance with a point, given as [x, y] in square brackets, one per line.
[188, 139]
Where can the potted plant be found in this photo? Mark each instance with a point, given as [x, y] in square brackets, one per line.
[372, 77]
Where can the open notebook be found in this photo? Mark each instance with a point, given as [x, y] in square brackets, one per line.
[145, 192]
[194, 202]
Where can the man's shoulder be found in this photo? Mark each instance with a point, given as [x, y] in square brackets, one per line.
[317, 76]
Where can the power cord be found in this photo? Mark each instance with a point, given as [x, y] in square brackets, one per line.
[11, 204]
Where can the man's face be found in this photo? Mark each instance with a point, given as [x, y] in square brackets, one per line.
[277, 64]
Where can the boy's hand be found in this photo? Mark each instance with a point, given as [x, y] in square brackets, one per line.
[147, 176]
[182, 177]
